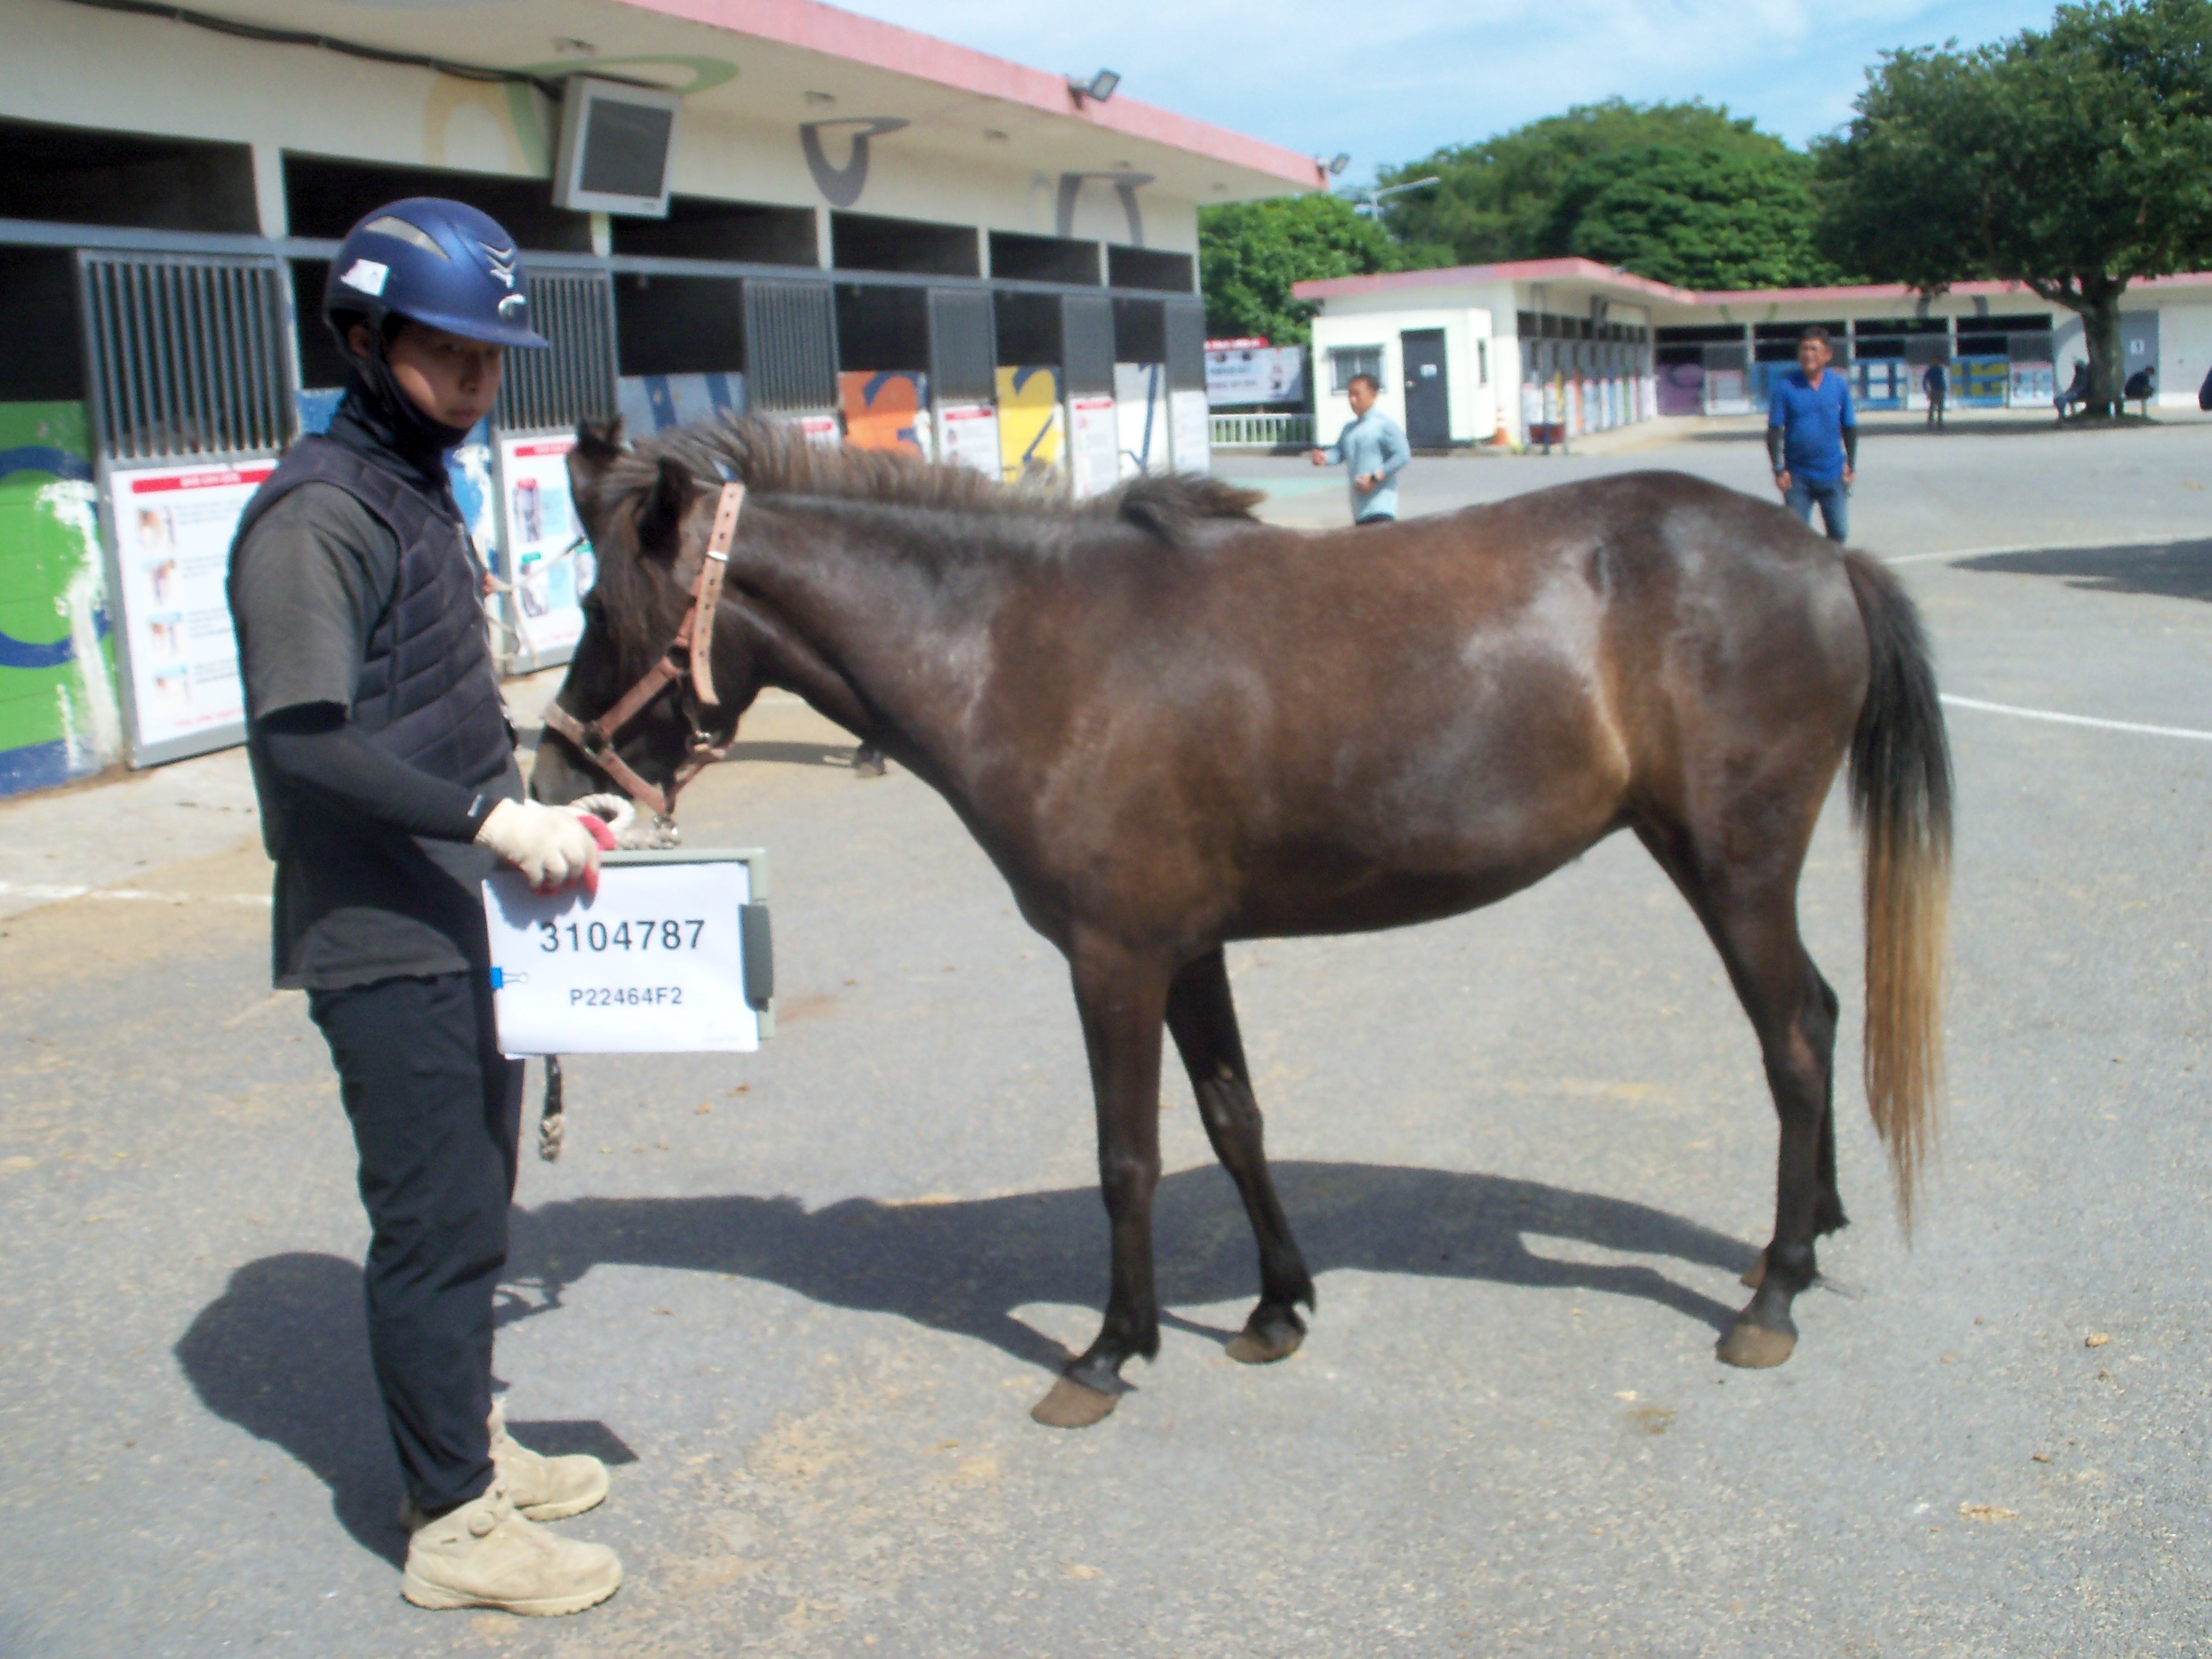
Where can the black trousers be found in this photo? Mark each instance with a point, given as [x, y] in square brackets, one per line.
[437, 1114]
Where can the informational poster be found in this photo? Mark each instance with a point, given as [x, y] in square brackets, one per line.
[883, 409]
[174, 527]
[655, 964]
[1980, 382]
[1264, 374]
[552, 572]
[1141, 405]
[1190, 428]
[2034, 385]
[968, 435]
[1029, 421]
[1094, 445]
[1726, 392]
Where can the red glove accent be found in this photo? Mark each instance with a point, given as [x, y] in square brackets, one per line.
[605, 837]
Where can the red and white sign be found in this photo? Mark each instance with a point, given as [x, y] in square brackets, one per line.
[968, 435]
[173, 527]
[822, 429]
[1094, 446]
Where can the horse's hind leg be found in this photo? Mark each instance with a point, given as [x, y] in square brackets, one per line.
[1828, 1210]
[1203, 1018]
[1752, 922]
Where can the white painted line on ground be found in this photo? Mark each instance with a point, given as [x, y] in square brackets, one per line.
[55, 892]
[2041, 547]
[2076, 719]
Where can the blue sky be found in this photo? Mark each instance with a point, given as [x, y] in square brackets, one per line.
[1390, 80]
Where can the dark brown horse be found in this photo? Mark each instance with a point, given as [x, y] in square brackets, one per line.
[1170, 725]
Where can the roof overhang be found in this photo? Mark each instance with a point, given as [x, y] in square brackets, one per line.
[783, 62]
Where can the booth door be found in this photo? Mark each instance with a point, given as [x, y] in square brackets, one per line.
[1428, 395]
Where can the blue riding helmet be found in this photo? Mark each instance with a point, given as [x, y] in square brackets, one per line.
[435, 262]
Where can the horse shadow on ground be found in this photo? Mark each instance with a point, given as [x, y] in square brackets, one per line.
[2177, 571]
[965, 1266]
[283, 1352]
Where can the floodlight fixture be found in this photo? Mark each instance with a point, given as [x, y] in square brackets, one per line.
[1098, 88]
[1337, 163]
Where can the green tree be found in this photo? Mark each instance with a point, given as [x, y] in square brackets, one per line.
[2072, 161]
[1249, 253]
[1683, 193]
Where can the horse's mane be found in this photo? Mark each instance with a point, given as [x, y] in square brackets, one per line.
[774, 458]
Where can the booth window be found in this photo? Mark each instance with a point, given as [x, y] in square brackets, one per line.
[1149, 268]
[1346, 361]
[73, 176]
[679, 324]
[862, 241]
[326, 197]
[1482, 362]
[1043, 259]
[44, 359]
[743, 233]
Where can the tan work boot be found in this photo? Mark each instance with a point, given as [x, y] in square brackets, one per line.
[542, 1488]
[545, 1488]
[484, 1554]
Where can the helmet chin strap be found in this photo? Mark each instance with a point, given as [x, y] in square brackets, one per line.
[410, 426]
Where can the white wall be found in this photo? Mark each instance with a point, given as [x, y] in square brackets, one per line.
[1364, 321]
[2184, 345]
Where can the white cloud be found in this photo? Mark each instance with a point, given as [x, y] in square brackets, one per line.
[1391, 82]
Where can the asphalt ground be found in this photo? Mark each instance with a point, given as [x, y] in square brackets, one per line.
[803, 1299]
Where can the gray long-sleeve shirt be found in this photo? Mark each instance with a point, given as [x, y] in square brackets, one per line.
[1372, 443]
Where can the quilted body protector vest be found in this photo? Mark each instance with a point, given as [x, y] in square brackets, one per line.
[429, 695]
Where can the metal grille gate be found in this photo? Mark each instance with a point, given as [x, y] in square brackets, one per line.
[576, 380]
[185, 356]
[791, 347]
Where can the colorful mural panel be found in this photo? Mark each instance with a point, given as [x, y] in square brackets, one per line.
[58, 716]
[1029, 420]
[885, 409]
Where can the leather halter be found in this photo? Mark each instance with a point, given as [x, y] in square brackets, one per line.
[691, 650]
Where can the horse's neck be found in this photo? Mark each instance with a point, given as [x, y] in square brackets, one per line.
[855, 590]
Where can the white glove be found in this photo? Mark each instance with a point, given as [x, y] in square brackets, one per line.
[552, 846]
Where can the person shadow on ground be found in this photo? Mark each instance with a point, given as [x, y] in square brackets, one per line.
[283, 1353]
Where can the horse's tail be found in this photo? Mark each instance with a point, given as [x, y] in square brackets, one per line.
[1900, 783]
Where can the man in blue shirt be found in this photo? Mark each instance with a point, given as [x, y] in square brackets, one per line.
[1813, 436]
[1373, 449]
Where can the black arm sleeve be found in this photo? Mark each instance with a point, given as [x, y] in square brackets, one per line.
[313, 746]
[1851, 447]
[1774, 448]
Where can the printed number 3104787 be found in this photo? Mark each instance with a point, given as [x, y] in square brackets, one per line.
[660, 933]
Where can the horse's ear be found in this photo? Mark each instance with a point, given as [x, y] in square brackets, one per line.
[598, 446]
[660, 515]
[600, 441]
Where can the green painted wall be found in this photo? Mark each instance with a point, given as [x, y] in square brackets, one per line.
[57, 721]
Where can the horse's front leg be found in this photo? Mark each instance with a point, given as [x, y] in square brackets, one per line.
[1122, 995]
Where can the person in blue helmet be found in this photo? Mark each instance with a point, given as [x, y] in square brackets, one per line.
[384, 765]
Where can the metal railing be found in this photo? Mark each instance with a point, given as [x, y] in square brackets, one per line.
[1261, 431]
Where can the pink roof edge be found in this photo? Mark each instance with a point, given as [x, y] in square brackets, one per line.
[812, 26]
[1589, 271]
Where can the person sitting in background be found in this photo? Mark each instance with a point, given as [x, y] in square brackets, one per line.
[2077, 389]
[2142, 387]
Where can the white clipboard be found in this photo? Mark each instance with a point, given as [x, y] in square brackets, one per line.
[674, 956]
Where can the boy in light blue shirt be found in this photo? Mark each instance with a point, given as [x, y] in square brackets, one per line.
[1374, 449]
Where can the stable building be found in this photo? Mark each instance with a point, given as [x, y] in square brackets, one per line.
[772, 206]
[1546, 351]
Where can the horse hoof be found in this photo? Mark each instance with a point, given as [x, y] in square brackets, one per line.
[1263, 1345]
[1754, 1275]
[1072, 1406]
[1754, 1347]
